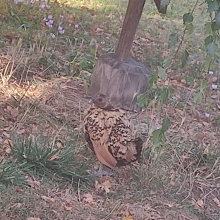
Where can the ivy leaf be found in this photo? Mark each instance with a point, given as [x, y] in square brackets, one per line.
[187, 18]
[189, 28]
[212, 6]
[185, 57]
[165, 124]
[208, 40]
[161, 73]
[165, 93]
[217, 18]
[173, 40]
[197, 97]
[208, 63]
[215, 26]
[158, 136]
[167, 62]
[153, 79]
[208, 28]
[212, 48]
[43, 61]
[142, 100]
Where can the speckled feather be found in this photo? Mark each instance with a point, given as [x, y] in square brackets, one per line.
[109, 135]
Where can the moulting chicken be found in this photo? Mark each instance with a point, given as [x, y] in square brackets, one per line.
[109, 134]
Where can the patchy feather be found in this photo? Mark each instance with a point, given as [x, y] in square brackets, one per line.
[109, 135]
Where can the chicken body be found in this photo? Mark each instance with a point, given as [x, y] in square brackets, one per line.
[109, 135]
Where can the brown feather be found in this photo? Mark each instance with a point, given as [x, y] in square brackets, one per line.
[109, 135]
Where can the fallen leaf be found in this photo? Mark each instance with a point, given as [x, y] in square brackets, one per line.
[179, 111]
[200, 203]
[87, 197]
[17, 205]
[67, 208]
[59, 144]
[128, 218]
[19, 189]
[106, 185]
[33, 183]
[183, 81]
[54, 157]
[214, 79]
[8, 150]
[6, 134]
[48, 199]
[33, 218]
[14, 111]
[22, 131]
[214, 96]
[217, 202]
[8, 142]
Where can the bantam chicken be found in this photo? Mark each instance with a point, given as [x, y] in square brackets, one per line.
[109, 134]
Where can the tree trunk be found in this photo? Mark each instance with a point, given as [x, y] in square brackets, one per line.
[161, 10]
[130, 24]
[122, 82]
[117, 75]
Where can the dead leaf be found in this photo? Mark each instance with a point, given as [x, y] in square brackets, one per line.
[13, 111]
[54, 157]
[8, 150]
[33, 218]
[207, 125]
[217, 202]
[88, 198]
[6, 134]
[17, 205]
[214, 96]
[183, 81]
[200, 203]
[22, 131]
[48, 199]
[19, 189]
[67, 208]
[104, 186]
[214, 79]
[179, 111]
[59, 144]
[128, 218]
[33, 183]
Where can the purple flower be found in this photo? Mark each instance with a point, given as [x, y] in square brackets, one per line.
[32, 1]
[211, 72]
[47, 6]
[50, 17]
[18, 1]
[45, 19]
[207, 115]
[42, 6]
[51, 22]
[60, 28]
[214, 86]
[62, 31]
[76, 26]
[61, 16]
[52, 35]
